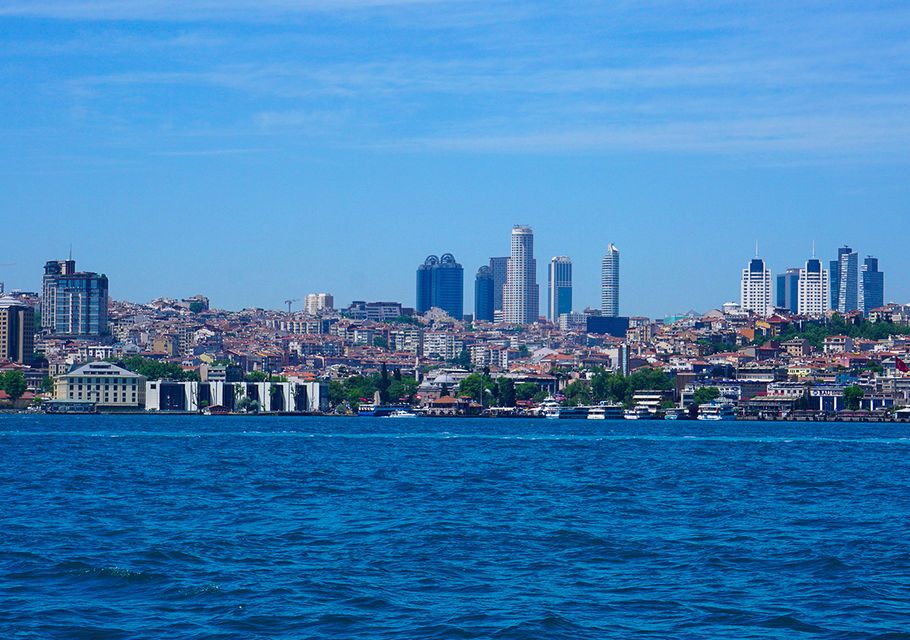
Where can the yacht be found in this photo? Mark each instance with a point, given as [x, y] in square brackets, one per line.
[638, 412]
[401, 413]
[676, 414]
[549, 408]
[714, 411]
[605, 411]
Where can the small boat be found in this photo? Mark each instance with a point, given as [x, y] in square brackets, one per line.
[400, 413]
[605, 411]
[714, 411]
[675, 414]
[638, 412]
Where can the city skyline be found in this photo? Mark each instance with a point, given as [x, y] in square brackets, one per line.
[273, 135]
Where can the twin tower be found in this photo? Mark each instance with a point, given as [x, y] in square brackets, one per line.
[506, 290]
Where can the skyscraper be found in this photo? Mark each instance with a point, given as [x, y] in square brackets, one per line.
[313, 303]
[788, 290]
[609, 282]
[559, 288]
[813, 289]
[17, 331]
[483, 294]
[845, 281]
[521, 296]
[73, 303]
[440, 283]
[499, 267]
[872, 286]
[755, 287]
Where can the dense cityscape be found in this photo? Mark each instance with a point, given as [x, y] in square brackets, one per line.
[816, 341]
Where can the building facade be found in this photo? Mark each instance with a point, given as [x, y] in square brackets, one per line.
[484, 298]
[440, 284]
[872, 286]
[559, 288]
[844, 277]
[787, 294]
[17, 331]
[104, 384]
[499, 268]
[609, 282]
[755, 288]
[813, 289]
[314, 303]
[73, 303]
[521, 295]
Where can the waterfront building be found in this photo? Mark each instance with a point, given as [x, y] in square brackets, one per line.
[17, 331]
[314, 303]
[755, 287]
[104, 384]
[609, 282]
[844, 283]
[787, 294]
[270, 397]
[484, 297]
[521, 295]
[559, 288]
[440, 284]
[499, 267]
[872, 286]
[813, 289]
[73, 303]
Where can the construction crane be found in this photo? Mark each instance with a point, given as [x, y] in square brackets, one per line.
[290, 302]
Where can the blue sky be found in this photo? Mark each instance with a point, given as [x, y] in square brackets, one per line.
[259, 150]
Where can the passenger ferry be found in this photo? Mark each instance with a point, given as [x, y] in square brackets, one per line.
[605, 411]
[549, 408]
[567, 413]
[638, 412]
[676, 414]
[714, 411]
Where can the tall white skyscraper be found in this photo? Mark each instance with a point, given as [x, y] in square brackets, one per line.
[609, 282]
[813, 293]
[755, 288]
[559, 288]
[316, 302]
[521, 296]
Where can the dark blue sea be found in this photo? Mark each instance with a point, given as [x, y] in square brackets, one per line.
[204, 527]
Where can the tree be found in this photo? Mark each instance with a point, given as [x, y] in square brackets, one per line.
[383, 384]
[47, 384]
[256, 376]
[704, 395]
[506, 392]
[471, 385]
[852, 397]
[578, 392]
[380, 342]
[462, 360]
[13, 382]
[523, 351]
[526, 390]
[196, 307]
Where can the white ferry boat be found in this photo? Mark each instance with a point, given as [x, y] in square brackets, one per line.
[637, 412]
[714, 411]
[605, 411]
[549, 408]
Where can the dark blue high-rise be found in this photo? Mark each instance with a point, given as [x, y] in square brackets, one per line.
[484, 294]
[872, 286]
[440, 284]
[788, 291]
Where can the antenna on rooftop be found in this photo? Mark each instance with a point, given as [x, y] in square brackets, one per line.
[71, 251]
[813, 248]
[756, 248]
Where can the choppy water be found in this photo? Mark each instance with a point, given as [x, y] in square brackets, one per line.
[191, 527]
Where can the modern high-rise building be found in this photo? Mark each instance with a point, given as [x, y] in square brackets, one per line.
[483, 294]
[788, 290]
[499, 267]
[314, 303]
[440, 284]
[73, 303]
[521, 295]
[17, 331]
[755, 287]
[559, 288]
[872, 286]
[813, 289]
[609, 282]
[845, 281]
